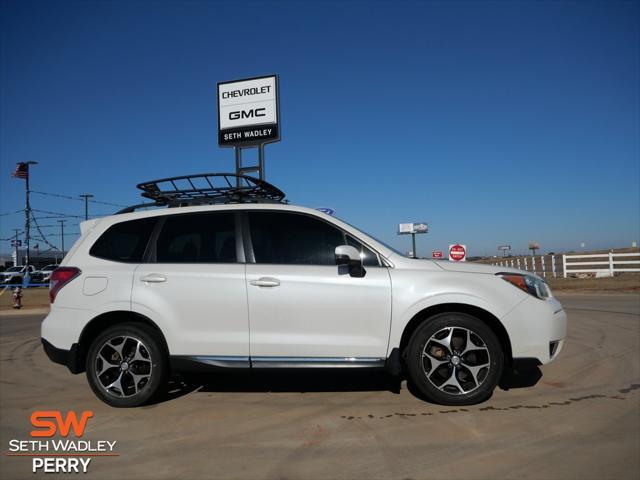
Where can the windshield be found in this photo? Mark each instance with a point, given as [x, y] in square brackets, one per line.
[14, 269]
[393, 249]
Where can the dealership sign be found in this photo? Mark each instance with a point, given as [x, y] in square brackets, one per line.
[457, 252]
[407, 228]
[248, 113]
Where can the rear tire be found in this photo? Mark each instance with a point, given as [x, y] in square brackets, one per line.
[127, 365]
[454, 359]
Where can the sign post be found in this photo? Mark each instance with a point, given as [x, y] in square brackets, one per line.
[413, 229]
[248, 117]
[458, 253]
[533, 246]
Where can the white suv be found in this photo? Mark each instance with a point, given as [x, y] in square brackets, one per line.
[266, 285]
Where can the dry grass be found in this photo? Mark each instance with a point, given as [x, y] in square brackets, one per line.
[624, 283]
[31, 298]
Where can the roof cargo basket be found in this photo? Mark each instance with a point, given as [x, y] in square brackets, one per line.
[207, 189]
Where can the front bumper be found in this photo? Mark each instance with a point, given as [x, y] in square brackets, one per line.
[537, 329]
[68, 358]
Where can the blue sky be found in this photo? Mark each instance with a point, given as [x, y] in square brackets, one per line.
[495, 122]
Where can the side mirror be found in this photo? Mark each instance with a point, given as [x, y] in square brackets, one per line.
[348, 256]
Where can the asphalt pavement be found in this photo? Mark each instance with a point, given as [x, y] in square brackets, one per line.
[578, 417]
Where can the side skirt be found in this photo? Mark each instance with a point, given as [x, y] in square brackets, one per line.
[317, 362]
[182, 363]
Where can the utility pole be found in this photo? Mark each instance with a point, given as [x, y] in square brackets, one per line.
[27, 215]
[86, 197]
[62, 235]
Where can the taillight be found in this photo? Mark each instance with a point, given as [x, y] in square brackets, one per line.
[59, 278]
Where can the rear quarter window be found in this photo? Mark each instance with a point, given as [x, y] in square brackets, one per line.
[124, 241]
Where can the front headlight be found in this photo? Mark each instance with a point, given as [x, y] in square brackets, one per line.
[529, 283]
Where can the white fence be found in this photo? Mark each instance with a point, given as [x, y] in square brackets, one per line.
[540, 264]
[605, 263]
[564, 265]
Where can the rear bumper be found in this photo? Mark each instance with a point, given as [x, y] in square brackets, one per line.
[68, 358]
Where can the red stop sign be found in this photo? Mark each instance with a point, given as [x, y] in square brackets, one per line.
[457, 252]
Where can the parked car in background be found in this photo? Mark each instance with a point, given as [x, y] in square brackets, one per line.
[44, 274]
[15, 275]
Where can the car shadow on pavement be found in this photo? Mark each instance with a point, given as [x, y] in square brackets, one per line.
[315, 380]
[510, 379]
[521, 378]
[282, 380]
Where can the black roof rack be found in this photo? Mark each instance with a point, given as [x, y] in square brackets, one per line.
[207, 189]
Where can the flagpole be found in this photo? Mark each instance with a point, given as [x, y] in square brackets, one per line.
[27, 215]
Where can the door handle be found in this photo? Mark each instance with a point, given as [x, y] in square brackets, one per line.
[154, 278]
[265, 282]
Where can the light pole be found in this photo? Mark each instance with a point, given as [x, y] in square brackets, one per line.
[62, 235]
[86, 197]
[27, 214]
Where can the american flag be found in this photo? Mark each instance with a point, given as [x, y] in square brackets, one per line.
[22, 170]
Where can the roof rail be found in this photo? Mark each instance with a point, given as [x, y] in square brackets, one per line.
[207, 189]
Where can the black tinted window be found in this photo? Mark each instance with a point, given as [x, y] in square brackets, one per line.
[125, 241]
[289, 238]
[369, 259]
[198, 238]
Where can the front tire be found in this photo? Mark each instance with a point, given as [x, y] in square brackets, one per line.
[127, 365]
[454, 359]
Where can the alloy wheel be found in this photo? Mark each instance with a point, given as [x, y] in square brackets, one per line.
[123, 366]
[456, 360]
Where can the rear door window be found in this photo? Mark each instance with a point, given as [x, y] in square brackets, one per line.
[124, 241]
[198, 238]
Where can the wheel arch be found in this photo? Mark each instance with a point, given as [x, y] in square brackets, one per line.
[108, 319]
[487, 317]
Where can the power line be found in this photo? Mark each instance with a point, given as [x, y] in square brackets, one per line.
[11, 213]
[66, 234]
[108, 203]
[68, 197]
[56, 213]
[57, 195]
[57, 226]
[44, 239]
